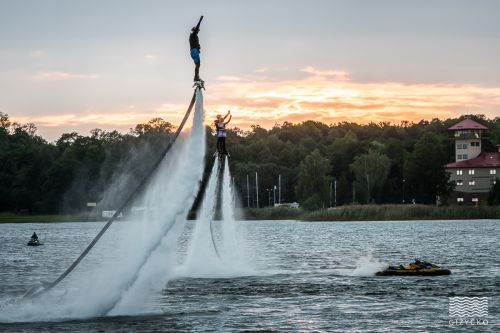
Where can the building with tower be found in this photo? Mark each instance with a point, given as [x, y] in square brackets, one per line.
[474, 172]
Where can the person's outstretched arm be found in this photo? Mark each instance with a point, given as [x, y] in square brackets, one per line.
[227, 122]
[227, 114]
[198, 25]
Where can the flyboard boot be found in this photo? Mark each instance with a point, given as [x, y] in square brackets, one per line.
[199, 83]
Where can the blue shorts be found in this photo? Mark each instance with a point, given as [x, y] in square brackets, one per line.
[195, 54]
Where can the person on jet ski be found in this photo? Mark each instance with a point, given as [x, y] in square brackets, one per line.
[422, 264]
[34, 237]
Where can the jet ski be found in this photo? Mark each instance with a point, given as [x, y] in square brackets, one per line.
[417, 268]
[34, 242]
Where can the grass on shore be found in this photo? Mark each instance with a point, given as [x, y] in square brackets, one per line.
[343, 213]
[25, 218]
[402, 212]
[377, 213]
[270, 213]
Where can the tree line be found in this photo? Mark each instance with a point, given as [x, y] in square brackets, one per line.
[320, 165]
[351, 163]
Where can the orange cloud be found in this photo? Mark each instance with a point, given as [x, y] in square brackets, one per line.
[59, 76]
[323, 95]
[95, 119]
[339, 75]
[330, 96]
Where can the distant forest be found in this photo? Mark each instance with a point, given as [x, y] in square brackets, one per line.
[372, 163]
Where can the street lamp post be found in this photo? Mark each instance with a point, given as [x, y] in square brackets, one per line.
[257, 188]
[274, 195]
[279, 189]
[331, 193]
[335, 193]
[403, 190]
[248, 193]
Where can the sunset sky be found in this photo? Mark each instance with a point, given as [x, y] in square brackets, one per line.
[77, 65]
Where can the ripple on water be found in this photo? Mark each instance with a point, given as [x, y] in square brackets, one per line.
[303, 280]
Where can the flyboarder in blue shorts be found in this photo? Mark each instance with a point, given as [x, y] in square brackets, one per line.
[194, 44]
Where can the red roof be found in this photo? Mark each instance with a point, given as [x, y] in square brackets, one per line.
[484, 160]
[467, 124]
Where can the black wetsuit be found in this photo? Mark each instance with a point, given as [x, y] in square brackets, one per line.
[194, 41]
[194, 44]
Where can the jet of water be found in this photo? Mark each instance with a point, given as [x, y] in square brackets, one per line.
[138, 245]
[217, 248]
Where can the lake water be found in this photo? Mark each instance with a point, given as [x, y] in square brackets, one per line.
[304, 277]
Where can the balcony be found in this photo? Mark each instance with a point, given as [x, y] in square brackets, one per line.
[467, 134]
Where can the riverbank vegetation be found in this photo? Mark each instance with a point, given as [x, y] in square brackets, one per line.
[320, 165]
[343, 213]
[377, 213]
[44, 218]
[402, 213]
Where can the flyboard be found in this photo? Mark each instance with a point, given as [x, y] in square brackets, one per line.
[199, 84]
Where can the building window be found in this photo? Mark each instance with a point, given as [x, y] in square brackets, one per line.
[459, 172]
[471, 171]
[460, 199]
[475, 200]
[474, 144]
[472, 182]
[464, 146]
[459, 157]
[493, 172]
[459, 146]
[460, 182]
[465, 156]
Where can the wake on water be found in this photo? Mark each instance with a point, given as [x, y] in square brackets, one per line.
[145, 250]
[368, 265]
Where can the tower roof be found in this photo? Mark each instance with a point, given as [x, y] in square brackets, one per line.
[467, 123]
[484, 160]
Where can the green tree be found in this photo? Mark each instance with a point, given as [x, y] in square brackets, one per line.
[494, 195]
[370, 173]
[313, 184]
[425, 174]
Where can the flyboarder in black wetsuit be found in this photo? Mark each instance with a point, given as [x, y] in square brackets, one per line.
[194, 44]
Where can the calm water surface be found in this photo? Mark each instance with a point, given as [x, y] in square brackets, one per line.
[314, 277]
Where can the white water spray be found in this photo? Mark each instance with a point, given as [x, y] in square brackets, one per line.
[234, 246]
[140, 247]
[167, 200]
[217, 248]
[202, 253]
[368, 266]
